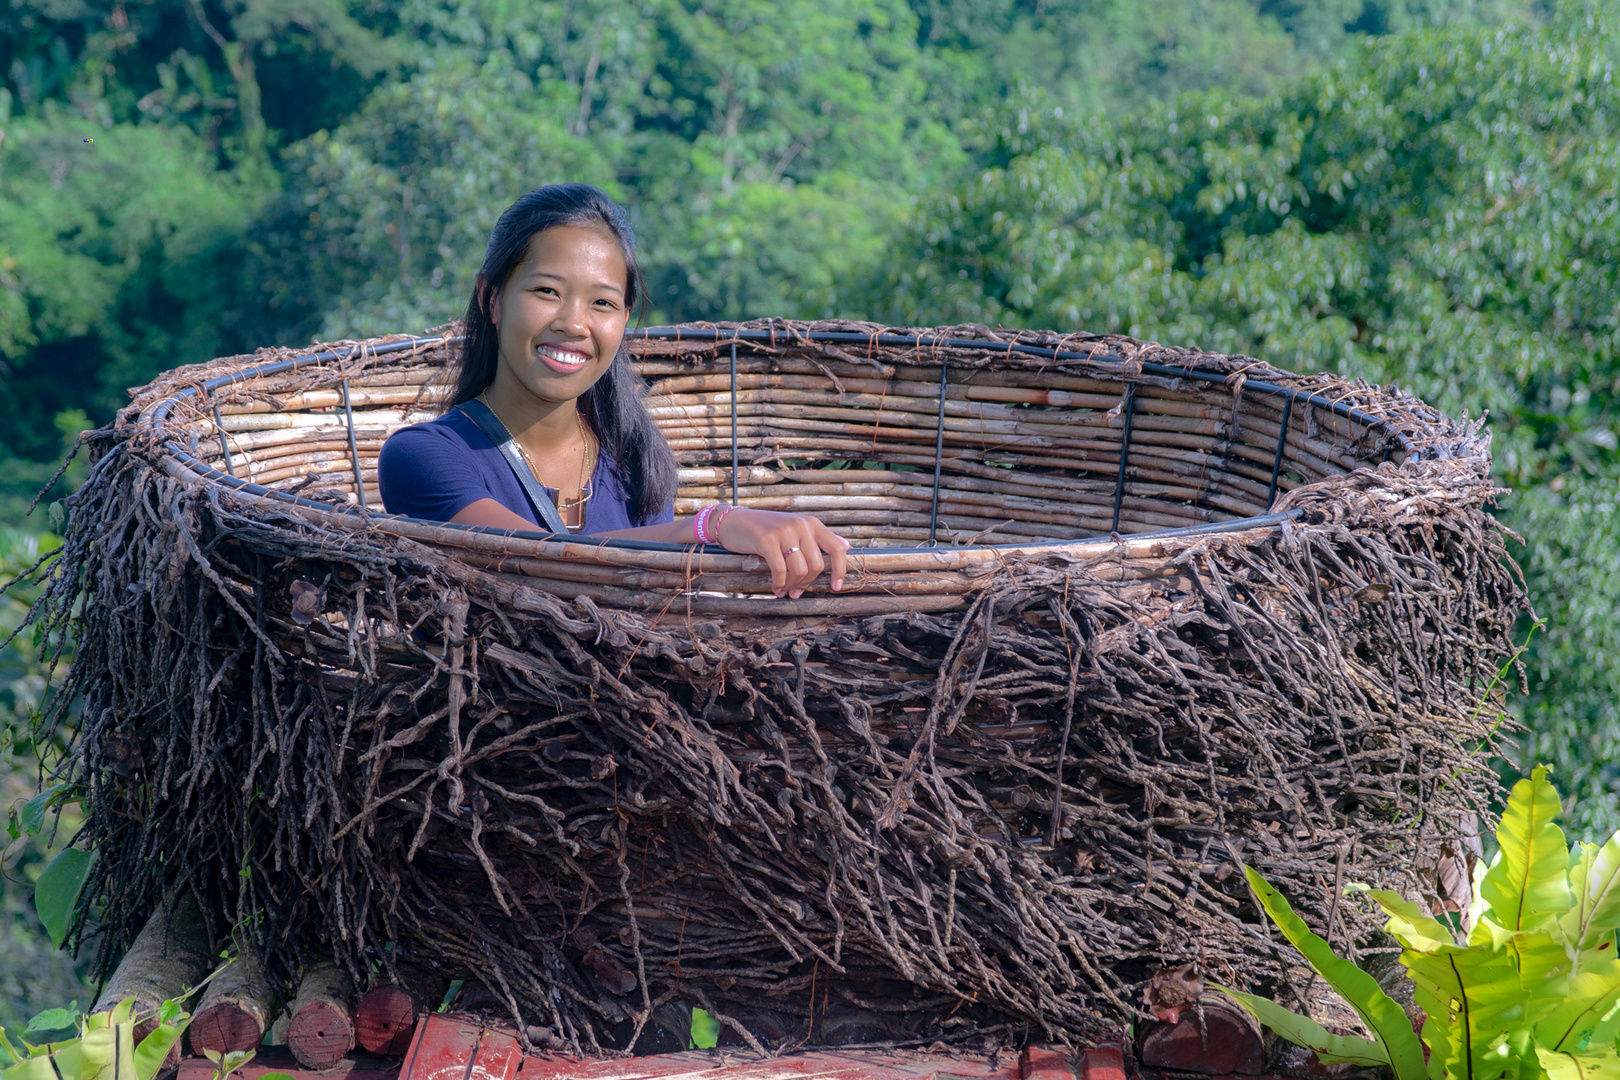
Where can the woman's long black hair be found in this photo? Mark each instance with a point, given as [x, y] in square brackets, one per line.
[613, 406]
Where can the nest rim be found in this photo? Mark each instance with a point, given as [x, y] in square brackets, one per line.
[186, 465]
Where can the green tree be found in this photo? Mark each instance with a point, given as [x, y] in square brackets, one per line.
[383, 223]
[112, 245]
[33, 976]
[1439, 212]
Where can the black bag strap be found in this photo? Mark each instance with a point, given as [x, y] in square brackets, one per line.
[496, 432]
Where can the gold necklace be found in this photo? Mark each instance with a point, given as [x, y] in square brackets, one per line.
[586, 479]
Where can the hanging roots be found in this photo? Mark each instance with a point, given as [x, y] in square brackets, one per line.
[591, 811]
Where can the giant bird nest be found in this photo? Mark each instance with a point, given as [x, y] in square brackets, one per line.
[1180, 611]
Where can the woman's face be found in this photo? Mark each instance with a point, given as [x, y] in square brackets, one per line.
[561, 314]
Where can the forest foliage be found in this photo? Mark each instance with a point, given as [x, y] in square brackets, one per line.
[1414, 191]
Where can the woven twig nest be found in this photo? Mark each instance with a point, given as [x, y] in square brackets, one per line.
[1244, 616]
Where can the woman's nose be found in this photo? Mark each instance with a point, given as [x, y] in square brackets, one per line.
[570, 317]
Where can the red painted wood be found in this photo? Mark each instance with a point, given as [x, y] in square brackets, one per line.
[1102, 1063]
[280, 1059]
[451, 1047]
[1043, 1063]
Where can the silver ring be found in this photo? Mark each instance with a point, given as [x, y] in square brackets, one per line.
[790, 551]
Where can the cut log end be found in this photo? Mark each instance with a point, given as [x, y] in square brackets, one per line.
[321, 1035]
[224, 1028]
[385, 1019]
[322, 1030]
[236, 1009]
[1216, 1039]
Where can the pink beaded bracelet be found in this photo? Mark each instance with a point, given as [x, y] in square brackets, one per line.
[701, 531]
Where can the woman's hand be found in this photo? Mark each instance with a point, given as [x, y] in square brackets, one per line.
[790, 544]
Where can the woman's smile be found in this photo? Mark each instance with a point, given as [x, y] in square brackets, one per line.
[563, 359]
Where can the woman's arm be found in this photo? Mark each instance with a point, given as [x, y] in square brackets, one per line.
[791, 544]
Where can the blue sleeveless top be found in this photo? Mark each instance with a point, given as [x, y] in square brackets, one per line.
[437, 469]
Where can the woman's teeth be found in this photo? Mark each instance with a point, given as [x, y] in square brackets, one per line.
[565, 357]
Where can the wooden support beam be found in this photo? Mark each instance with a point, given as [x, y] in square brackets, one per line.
[170, 956]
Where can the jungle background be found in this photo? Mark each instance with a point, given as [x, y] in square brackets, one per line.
[1415, 191]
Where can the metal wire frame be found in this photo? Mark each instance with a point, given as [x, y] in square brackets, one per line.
[733, 423]
[939, 455]
[1282, 444]
[195, 467]
[1124, 453]
[354, 450]
[224, 441]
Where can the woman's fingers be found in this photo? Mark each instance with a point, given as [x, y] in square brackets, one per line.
[772, 554]
[835, 546]
[792, 546]
[807, 550]
[798, 572]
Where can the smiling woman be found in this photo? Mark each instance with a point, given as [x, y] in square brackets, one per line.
[546, 426]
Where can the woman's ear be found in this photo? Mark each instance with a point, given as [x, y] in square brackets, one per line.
[489, 298]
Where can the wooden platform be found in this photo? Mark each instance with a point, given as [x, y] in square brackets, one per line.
[452, 1047]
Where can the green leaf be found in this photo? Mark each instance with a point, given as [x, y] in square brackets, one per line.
[1594, 879]
[56, 894]
[1409, 924]
[12, 1054]
[1303, 1031]
[277, 1076]
[1596, 1066]
[1583, 1000]
[1475, 1003]
[705, 1030]
[92, 1056]
[1530, 883]
[1384, 1018]
[53, 1025]
[150, 1054]
[33, 1068]
[32, 816]
[124, 1032]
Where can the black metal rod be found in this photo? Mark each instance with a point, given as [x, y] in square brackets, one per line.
[1282, 444]
[1124, 453]
[354, 449]
[224, 443]
[939, 454]
[733, 423]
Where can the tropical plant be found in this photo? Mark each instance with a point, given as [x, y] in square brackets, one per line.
[101, 1046]
[705, 1030]
[1526, 985]
[228, 1061]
